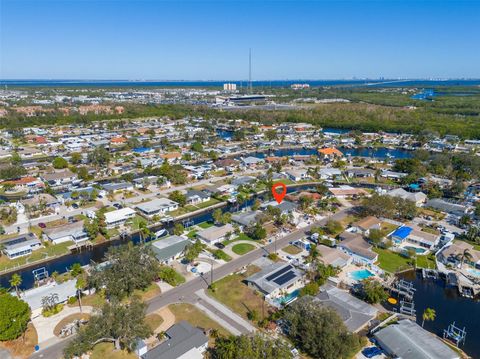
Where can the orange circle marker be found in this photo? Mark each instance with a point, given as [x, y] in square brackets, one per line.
[279, 196]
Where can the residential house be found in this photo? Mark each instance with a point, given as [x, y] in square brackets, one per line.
[19, 246]
[297, 174]
[171, 157]
[183, 341]
[285, 207]
[393, 175]
[452, 255]
[242, 181]
[61, 178]
[360, 172]
[118, 217]
[195, 197]
[364, 225]
[247, 218]
[276, 280]
[215, 234]
[169, 248]
[408, 340]
[329, 173]
[330, 153]
[333, 256]
[347, 191]
[71, 232]
[448, 207]
[27, 183]
[416, 236]
[355, 313]
[252, 161]
[418, 198]
[41, 200]
[354, 245]
[157, 206]
[118, 186]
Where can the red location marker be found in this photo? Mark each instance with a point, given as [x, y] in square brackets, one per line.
[279, 196]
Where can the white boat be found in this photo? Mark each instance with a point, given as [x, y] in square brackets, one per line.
[161, 233]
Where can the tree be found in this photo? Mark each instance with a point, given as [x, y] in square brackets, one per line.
[75, 158]
[119, 323]
[373, 291]
[99, 157]
[178, 197]
[305, 202]
[76, 270]
[465, 255]
[323, 335]
[311, 288]
[144, 231]
[333, 227]
[256, 231]
[375, 236]
[15, 282]
[197, 147]
[193, 250]
[59, 163]
[429, 314]
[14, 317]
[82, 173]
[271, 135]
[131, 267]
[178, 229]
[250, 346]
[79, 286]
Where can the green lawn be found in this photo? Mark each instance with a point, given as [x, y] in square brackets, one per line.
[192, 234]
[235, 294]
[391, 261]
[208, 203]
[136, 222]
[205, 225]
[242, 248]
[219, 254]
[427, 261]
[42, 253]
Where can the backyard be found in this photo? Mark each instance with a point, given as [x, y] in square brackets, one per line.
[195, 317]
[242, 248]
[391, 261]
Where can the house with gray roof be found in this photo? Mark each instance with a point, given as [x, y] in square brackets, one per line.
[183, 342]
[215, 234]
[194, 196]
[169, 248]
[448, 207]
[74, 232]
[156, 206]
[246, 218]
[355, 313]
[19, 246]
[244, 180]
[408, 340]
[285, 207]
[277, 279]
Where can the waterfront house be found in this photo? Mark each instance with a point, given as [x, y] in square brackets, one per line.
[247, 218]
[297, 174]
[396, 176]
[355, 313]
[347, 191]
[330, 153]
[277, 280]
[169, 248]
[452, 255]
[40, 201]
[251, 161]
[360, 172]
[27, 183]
[329, 173]
[285, 207]
[242, 181]
[118, 217]
[156, 206]
[182, 341]
[19, 246]
[408, 340]
[215, 234]
[195, 197]
[171, 157]
[416, 236]
[354, 245]
[73, 232]
[114, 187]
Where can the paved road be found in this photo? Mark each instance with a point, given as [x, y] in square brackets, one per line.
[186, 292]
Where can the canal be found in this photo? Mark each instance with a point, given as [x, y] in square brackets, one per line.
[97, 253]
[450, 307]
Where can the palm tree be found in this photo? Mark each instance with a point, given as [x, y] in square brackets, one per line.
[429, 314]
[15, 281]
[81, 284]
[144, 231]
[464, 255]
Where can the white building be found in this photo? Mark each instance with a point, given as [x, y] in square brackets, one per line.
[118, 217]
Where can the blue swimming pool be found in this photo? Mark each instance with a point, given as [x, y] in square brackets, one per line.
[360, 274]
[288, 298]
[416, 249]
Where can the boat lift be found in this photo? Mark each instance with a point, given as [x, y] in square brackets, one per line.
[40, 274]
[404, 289]
[407, 308]
[455, 334]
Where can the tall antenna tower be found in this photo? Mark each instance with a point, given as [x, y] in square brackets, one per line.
[250, 70]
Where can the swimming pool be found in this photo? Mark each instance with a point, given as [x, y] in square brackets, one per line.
[288, 298]
[416, 249]
[474, 272]
[360, 275]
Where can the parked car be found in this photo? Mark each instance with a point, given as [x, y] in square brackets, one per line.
[42, 225]
[219, 245]
[117, 205]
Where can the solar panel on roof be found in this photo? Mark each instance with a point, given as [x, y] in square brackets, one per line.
[285, 278]
[279, 272]
[16, 241]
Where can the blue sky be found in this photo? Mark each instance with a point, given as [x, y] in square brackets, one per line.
[209, 40]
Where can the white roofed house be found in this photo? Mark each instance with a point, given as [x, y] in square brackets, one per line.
[61, 178]
[118, 217]
[329, 173]
[215, 234]
[418, 198]
[297, 174]
[19, 246]
[252, 161]
[169, 248]
[157, 206]
[73, 232]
